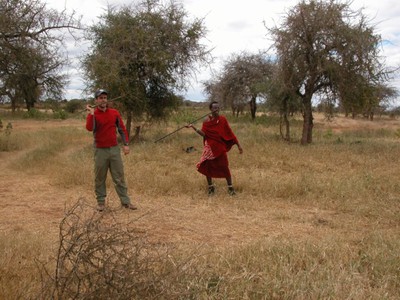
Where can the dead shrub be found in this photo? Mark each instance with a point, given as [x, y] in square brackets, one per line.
[99, 257]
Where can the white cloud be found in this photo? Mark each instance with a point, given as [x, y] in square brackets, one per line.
[236, 26]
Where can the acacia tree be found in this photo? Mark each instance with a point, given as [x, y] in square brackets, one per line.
[365, 100]
[283, 100]
[324, 46]
[146, 53]
[244, 78]
[222, 90]
[30, 50]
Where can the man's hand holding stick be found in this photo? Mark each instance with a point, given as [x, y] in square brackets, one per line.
[186, 126]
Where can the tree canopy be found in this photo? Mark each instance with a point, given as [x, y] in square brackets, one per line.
[31, 59]
[324, 47]
[243, 78]
[147, 53]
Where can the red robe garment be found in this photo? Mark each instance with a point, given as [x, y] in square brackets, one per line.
[219, 139]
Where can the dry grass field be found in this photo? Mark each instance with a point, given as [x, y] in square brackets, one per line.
[308, 222]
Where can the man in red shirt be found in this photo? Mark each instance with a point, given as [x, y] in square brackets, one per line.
[218, 139]
[104, 122]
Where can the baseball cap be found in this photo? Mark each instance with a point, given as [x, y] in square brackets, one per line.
[99, 92]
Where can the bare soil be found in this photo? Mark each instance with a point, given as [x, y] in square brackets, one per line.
[32, 204]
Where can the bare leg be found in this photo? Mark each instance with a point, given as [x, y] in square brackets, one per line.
[211, 188]
[231, 190]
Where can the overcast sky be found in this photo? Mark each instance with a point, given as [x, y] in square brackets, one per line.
[236, 26]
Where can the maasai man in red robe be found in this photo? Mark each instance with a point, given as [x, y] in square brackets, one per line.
[218, 139]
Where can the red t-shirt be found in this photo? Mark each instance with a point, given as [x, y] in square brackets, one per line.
[105, 126]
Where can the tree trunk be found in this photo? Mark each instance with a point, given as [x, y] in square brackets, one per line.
[13, 104]
[308, 123]
[353, 113]
[128, 123]
[285, 120]
[136, 136]
[29, 105]
[253, 107]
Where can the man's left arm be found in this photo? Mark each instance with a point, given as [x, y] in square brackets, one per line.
[123, 133]
[229, 132]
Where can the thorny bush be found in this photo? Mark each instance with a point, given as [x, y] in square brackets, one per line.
[98, 257]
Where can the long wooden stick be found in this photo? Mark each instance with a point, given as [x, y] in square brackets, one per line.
[111, 100]
[180, 128]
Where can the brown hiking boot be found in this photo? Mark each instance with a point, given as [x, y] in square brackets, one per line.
[129, 206]
[100, 207]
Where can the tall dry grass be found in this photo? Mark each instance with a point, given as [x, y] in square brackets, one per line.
[345, 185]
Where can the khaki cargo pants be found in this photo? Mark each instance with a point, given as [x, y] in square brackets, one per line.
[109, 159]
